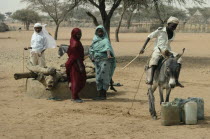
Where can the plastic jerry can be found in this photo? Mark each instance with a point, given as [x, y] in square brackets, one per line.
[200, 108]
[190, 113]
[170, 114]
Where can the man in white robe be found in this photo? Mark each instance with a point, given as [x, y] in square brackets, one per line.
[40, 41]
[164, 36]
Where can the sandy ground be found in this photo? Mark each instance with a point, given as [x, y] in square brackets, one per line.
[27, 118]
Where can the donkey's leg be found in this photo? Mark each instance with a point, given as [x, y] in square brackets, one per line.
[152, 102]
[168, 91]
[161, 94]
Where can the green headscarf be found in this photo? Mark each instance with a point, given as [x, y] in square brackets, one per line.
[100, 45]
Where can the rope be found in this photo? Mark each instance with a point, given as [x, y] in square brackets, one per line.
[139, 83]
[136, 93]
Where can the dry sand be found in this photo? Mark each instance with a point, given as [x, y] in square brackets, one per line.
[23, 117]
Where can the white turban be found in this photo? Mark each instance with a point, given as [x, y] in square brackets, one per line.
[37, 25]
[173, 20]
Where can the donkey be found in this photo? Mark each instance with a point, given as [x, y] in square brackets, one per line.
[164, 78]
[63, 48]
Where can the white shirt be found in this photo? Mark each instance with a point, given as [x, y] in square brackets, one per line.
[161, 39]
[38, 42]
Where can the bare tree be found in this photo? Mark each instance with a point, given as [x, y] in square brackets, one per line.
[106, 15]
[127, 6]
[157, 4]
[57, 10]
[120, 22]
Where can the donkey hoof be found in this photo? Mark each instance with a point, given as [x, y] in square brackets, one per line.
[154, 117]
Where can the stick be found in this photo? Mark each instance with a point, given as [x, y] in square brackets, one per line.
[136, 57]
[131, 62]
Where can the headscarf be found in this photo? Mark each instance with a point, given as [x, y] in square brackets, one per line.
[101, 44]
[51, 43]
[75, 50]
[173, 20]
[73, 35]
[75, 53]
[37, 25]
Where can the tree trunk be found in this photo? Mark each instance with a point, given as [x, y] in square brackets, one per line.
[106, 24]
[118, 27]
[24, 25]
[56, 31]
[129, 19]
[27, 25]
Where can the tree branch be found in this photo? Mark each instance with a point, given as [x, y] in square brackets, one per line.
[102, 9]
[95, 21]
[158, 11]
[114, 6]
[46, 9]
[95, 4]
[67, 11]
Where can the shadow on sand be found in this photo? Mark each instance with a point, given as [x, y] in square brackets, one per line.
[204, 123]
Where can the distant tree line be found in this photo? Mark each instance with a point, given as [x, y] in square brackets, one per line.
[105, 11]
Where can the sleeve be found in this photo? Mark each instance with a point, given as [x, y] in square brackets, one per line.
[91, 52]
[153, 34]
[45, 43]
[67, 65]
[107, 46]
[32, 41]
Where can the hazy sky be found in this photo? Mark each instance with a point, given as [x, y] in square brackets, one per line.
[13, 5]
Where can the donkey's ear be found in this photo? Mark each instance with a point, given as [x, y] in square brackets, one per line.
[180, 55]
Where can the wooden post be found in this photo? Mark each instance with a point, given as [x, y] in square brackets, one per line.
[18, 76]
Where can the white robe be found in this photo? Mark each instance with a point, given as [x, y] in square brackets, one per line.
[38, 42]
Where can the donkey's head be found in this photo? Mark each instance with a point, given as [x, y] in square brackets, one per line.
[171, 68]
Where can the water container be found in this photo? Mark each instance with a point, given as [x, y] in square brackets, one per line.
[200, 108]
[190, 112]
[169, 114]
[180, 102]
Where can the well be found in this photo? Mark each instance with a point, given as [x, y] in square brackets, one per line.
[36, 89]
